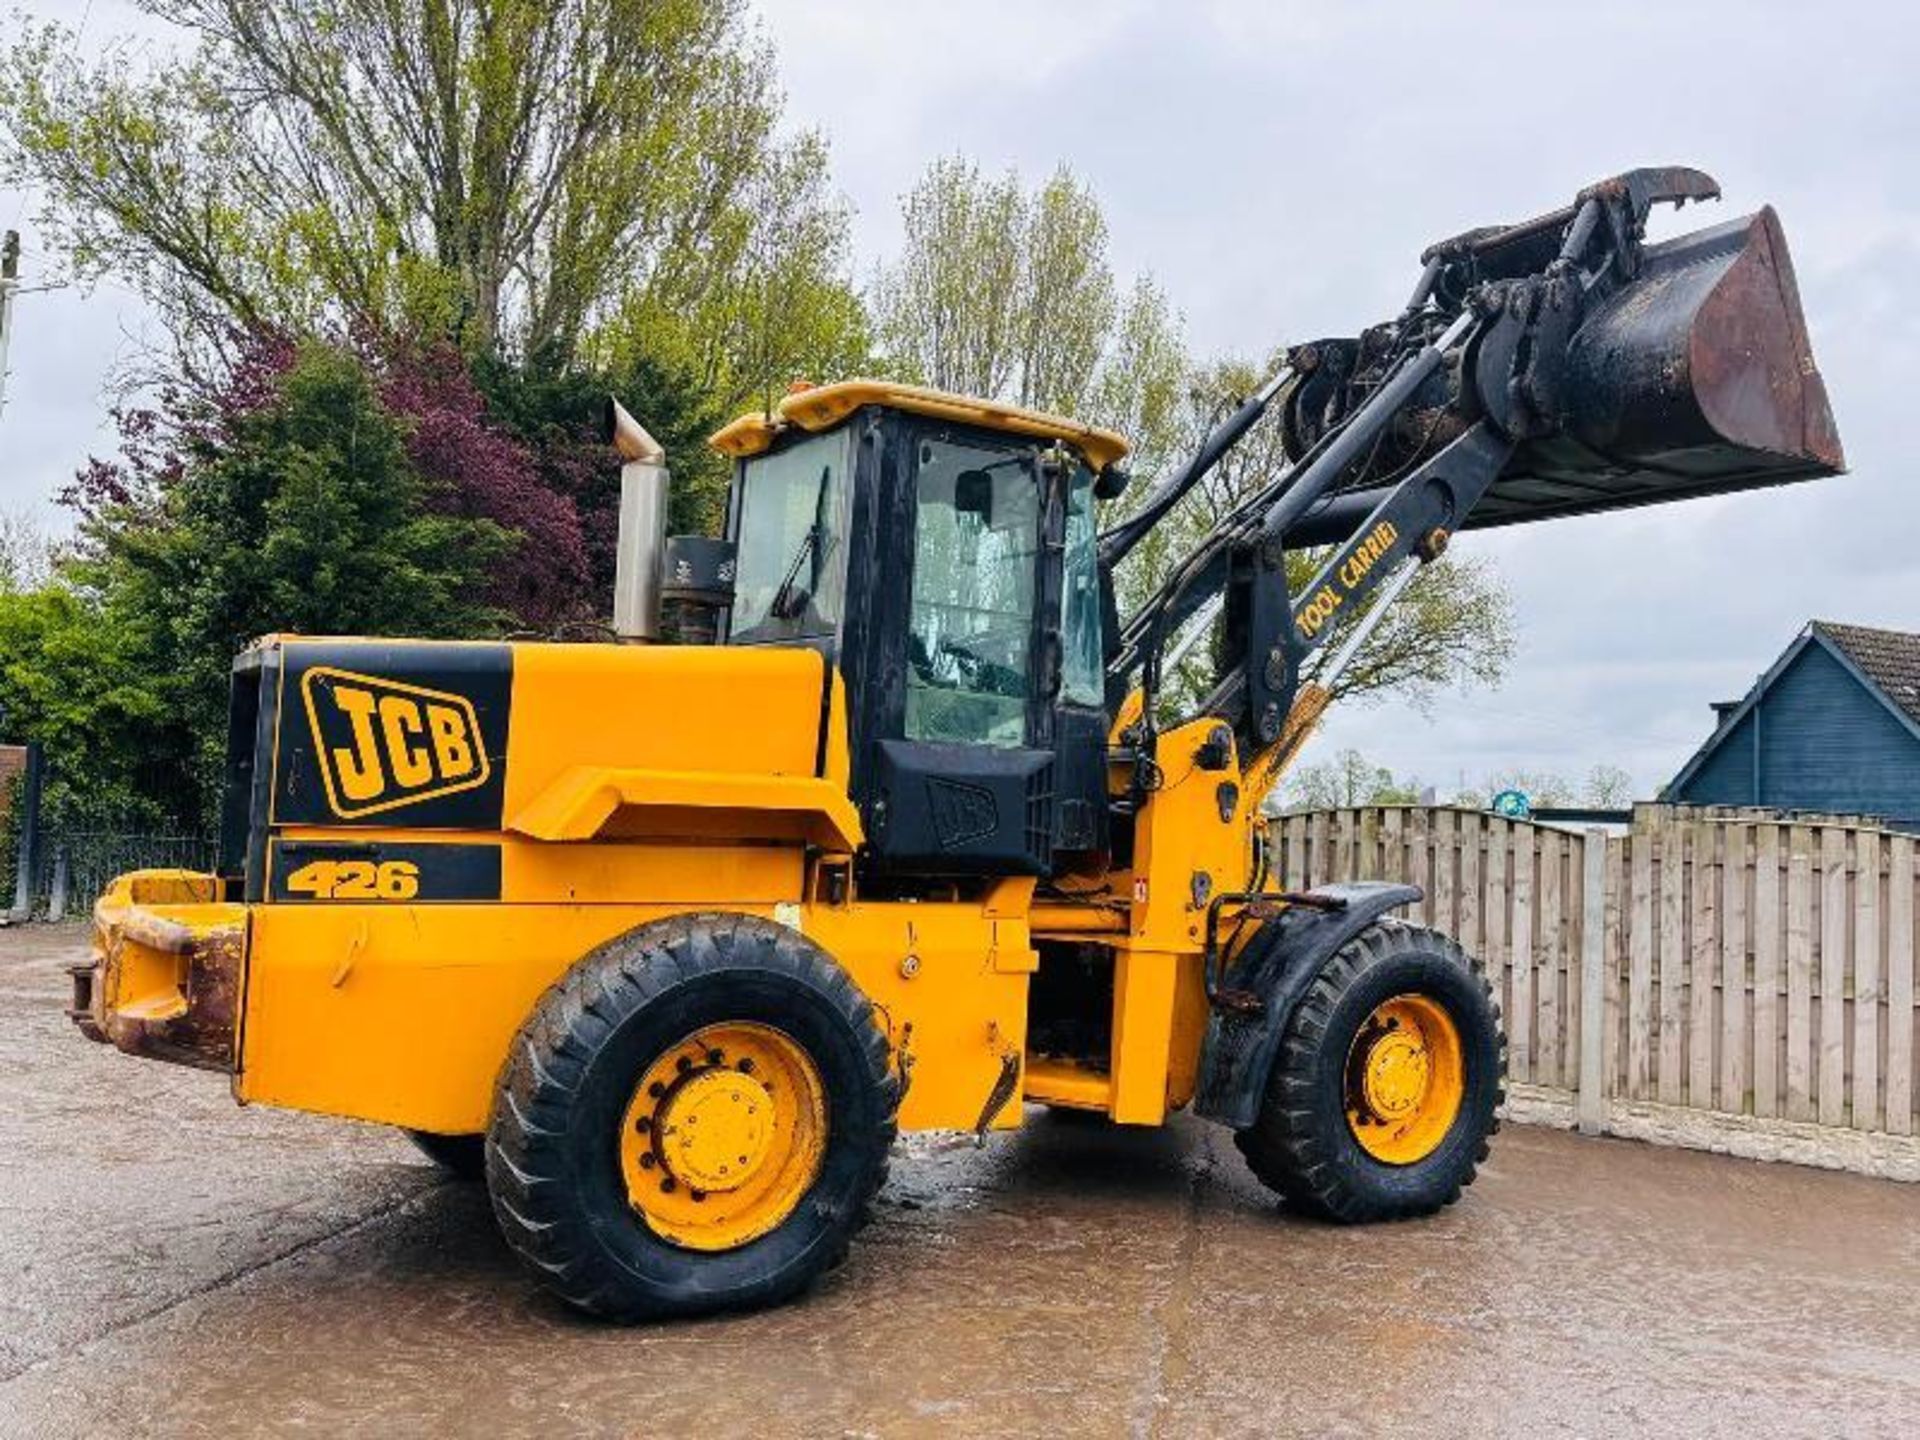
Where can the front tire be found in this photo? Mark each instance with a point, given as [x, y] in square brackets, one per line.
[602, 1176]
[1382, 1097]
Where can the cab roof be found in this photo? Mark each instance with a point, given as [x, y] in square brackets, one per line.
[821, 407]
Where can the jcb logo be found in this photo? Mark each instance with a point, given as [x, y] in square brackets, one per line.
[382, 744]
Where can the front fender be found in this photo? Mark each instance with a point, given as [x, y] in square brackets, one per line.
[1277, 965]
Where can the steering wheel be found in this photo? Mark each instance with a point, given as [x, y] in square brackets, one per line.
[919, 661]
[984, 675]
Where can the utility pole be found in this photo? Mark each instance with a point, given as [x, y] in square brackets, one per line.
[9, 282]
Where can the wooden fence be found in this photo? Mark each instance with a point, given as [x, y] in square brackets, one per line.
[1752, 970]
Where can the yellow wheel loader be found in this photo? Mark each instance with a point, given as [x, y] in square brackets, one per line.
[667, 941]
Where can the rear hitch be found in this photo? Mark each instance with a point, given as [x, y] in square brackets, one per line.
[85, 975]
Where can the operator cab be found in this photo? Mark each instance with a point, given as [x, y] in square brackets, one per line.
[940, 552]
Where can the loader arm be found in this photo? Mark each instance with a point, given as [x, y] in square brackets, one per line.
[1560, 366]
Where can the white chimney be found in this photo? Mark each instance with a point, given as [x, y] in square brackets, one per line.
[643, 527]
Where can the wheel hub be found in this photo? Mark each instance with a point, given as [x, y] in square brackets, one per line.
[1396, 1075]
[1405, 1079]
[725, 1133]
[716, 1129]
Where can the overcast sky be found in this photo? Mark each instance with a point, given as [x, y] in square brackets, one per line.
[1279, 167]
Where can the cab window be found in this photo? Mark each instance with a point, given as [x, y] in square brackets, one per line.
[791, 573]
[1083, 657]
[970, 615]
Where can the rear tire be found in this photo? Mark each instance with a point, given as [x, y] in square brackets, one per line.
[464, 1157]
[1306, 1143]
[562, 1160]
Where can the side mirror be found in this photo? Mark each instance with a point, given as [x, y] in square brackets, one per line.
[695, 586]
[973, 495]
[1111, 483]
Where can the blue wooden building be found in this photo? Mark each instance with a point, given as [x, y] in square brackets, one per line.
[1833, 726]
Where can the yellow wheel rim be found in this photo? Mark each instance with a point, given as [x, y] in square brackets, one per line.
[723, 1136]
[1405, 1079]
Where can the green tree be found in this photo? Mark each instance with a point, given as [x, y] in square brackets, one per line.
[1007, 294]
[946, 308]
[1144, 382]
[1453, 625]
[1348, 779]
[555, 410]
[80, 680]
[26, 554]
[783, 312]
[516, 173]
[302, 514]
[1202, 395]
[1608, 787]
[1544, 789]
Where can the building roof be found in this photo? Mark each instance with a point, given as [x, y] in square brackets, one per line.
[1888, 658]
[1885, 662]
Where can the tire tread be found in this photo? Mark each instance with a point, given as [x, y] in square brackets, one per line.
[527, 1150]
[1287, 1147]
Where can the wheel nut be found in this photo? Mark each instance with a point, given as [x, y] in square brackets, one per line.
[683, 1064]
[642, 1125]
[714, 1057]
[647, 1161]
[667, 1186]
[698, 1195]
[656, 1090]
[746, 1065]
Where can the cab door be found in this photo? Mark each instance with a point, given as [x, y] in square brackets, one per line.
[960, 748]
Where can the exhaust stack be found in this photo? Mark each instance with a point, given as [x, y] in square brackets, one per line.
[643, 526]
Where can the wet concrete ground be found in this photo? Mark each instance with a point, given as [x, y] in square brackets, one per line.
[173, 1265]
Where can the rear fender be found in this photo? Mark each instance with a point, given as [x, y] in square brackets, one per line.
[1277, 965]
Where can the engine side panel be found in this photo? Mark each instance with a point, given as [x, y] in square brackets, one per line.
[403, 1014]
[450, 827]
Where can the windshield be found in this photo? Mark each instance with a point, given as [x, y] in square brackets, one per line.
[790, 577]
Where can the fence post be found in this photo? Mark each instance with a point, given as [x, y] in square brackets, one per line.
[28, 860]
[57, 890]
[1591, 1103]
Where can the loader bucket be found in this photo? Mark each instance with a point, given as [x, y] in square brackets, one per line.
[1693, 378]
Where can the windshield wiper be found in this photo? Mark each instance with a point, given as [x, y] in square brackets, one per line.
[790, 601]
